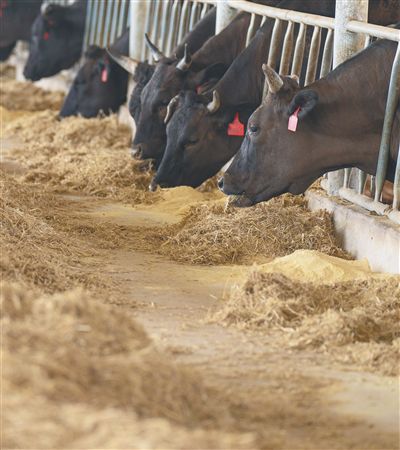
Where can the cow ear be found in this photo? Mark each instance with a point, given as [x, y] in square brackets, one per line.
[305, 100]
[206, 78]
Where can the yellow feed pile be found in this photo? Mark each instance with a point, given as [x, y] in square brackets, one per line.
[360, 316]
[15, 95]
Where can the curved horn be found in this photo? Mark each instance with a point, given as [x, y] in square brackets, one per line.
[125, 62]
[157, 55]
[214, 105]
[272, 79]
[295, 78]
[171, 108]
[185, 63]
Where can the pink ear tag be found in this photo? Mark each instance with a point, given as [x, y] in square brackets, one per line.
[236, 128]
[293, 120]
[198, 89]
[104, 75]
[46, 35]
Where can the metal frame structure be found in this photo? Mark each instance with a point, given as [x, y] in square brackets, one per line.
[168, 21]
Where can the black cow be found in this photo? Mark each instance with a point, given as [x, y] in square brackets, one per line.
[340, 122]
[165, 70]
[56, 40]
[16, 18]
[100, 85]
[201, 132]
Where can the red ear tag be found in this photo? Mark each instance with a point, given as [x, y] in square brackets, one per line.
[293, 120]
[46, 35]
[104, 75]
[198, 90]
[236, 128]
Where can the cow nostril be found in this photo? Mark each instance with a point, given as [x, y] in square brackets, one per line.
[221, 183]
[136, 152]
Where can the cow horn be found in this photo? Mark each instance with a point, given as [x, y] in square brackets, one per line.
[125, 62]
[272, 79]
[185, 63]
[295, 78]
[157, 55]
[171, 108]
[214, 105]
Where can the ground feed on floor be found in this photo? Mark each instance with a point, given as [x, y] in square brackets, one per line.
[15, 95]
[357, 321]
[67, 358]
[89, 156]
[214, 234]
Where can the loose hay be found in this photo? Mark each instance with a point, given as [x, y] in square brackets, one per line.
[26, 96]
[88, 156]
[212, 234]
[67, 354]
[325, 316]
[42, 246]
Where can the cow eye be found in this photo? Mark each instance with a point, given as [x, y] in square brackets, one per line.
[253, 128]
[192, 141]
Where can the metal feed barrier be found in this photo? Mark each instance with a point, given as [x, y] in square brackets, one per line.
[346, 34]
[168, 21]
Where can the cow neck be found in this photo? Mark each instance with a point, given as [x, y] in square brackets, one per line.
[350, 111]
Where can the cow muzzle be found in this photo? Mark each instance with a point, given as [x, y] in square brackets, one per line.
[137, 152]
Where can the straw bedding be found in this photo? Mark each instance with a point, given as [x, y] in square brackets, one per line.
[214, 234]
[361, 317]
[26, 96]
[88, 156]
[116, 376]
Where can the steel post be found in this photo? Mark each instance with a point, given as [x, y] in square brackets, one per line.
[225, 14]
[346, 44]
[138, 13]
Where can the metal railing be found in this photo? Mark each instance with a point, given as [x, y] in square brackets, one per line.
[106, 20]
[355, 194]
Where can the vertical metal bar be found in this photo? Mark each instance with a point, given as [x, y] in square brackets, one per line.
[250, 31]
[114, 20]
[183, 20]
[299, 50]
[391, 105]
[193, 15]
[396, 187]
[362, 176]
[172, 27]
[313, 56]
[327, 56]
[122, 14]
[93, 23]
[287, 50]
[164, 25]
[263, 21]
[108, 15]
[145, 51]
[275, 41]
[138, 19]
[345, 45]
[88, 22]
[100, 24]
[154, 28]
[225, 14]
[203, 10]
[346, 180]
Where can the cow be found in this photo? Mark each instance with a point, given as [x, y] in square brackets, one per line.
[205, 131]
[56, 40]
[100, 84]
[298, 134]
[16, 18]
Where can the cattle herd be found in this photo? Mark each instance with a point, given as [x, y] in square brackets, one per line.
[199, 109]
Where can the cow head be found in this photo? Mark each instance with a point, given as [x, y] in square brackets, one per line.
[170, 77]
[56, 41]
[272, 159]
[202, 135]
[100, 85]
